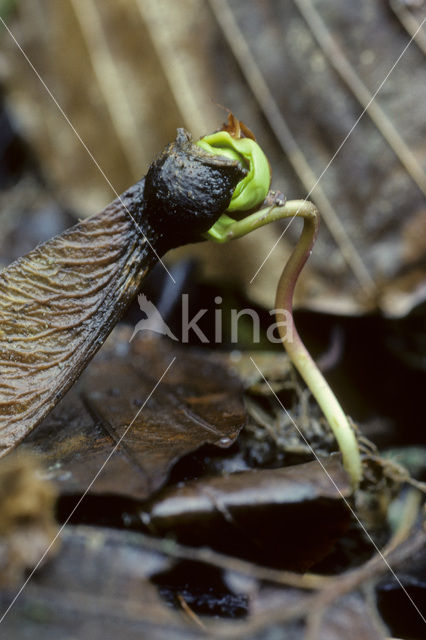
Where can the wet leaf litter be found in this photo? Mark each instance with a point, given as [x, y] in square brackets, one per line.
[210, 559]
[233, 513]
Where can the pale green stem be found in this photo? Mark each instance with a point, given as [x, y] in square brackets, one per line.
[227, 229]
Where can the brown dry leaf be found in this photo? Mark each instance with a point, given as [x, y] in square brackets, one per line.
[125, 63]
[110, 43]
[198, 402]
[370, 191]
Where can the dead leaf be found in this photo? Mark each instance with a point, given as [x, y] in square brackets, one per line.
[288, 517]
[198, 402]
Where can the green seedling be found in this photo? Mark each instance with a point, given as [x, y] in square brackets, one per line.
[250, 193]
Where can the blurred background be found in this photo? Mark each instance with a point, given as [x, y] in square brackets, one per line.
[123, 75]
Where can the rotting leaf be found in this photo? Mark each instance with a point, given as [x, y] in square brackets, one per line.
[288, 517]
[200, 402]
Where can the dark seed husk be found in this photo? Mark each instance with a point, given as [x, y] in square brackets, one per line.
[186, 189]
